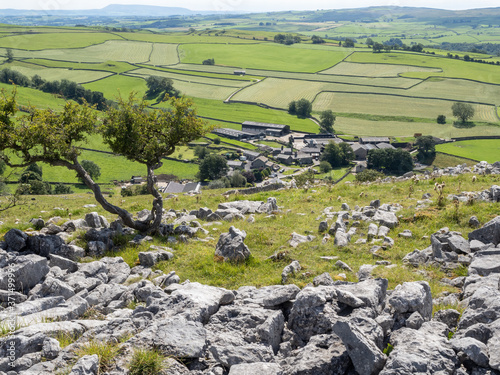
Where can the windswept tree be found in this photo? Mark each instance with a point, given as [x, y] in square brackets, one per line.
[130, 129]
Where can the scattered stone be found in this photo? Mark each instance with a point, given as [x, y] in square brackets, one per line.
[151, 258]
[489, 233]
[474, 222]
[290, 270]
[323, 226]
[344, 266]
[406, 234]
[231, 247]
[296, 239]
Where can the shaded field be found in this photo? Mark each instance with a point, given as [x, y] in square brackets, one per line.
[36, 42]
[56, 74]
[482, 149]
[451, 68]
[262, 56]
[164, 54]
[109, 66]
[396, 106]
[132, 52]
[375, 70]
[356, 126]
[117, 85]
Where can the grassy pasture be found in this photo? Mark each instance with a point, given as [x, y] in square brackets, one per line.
[232, 142]
[262, 56]
[57, 74]
[108, 66]
[202, 90]
[117, 85]
[239, 112]
[26, 96]
[184, 38]
[164, 54]
[114, 50]
[211, 80]
[397, 106]
[451, 68]
[374, 70]
[483, 149]
[188, 73]
[36, 42]
[359, 126]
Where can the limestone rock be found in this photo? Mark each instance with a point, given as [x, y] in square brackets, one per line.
[231, 247]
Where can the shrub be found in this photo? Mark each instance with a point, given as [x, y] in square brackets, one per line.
[220, 183]
[369, 175]
[325, 167]
[441, 119]
[238, 180]
[62, 189]
[146, 362]
[217, 140]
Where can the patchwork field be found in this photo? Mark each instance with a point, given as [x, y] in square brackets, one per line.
[484, 149]
[164, 54]
[117, 85]
[36, 42]
[375, 70]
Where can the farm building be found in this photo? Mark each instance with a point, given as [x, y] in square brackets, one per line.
[285, 159]
[360, 151]
[136, 180]
[260, 163]
[235, 164]
[303, 158]
[275, 130]
[385, 145]
[239, 72]
[313, 151]
[374, 140]
[251, 155]
[176, 188]
[234, 134]
[360, 167]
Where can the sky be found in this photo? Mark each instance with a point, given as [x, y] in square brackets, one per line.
[248, 5]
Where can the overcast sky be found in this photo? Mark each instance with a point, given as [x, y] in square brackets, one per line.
[248, 5]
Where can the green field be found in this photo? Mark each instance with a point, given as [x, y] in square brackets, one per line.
[451, 68]
[184, 38]
[107, 66]
[36, 42]
[31, 97]
[117, 85]
[484, 149]
[375, 70]
[262, 56]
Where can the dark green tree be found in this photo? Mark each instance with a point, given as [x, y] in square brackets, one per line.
[292, 107]
[397, 161]
[441, 119]
[327, 119]
[426, 146]
[91, 168]
[349, 43]
[325, 166]
[160, 85]
[238, 180]
[462, 111]
[303, 108]
[369, 42]
[212, 167]
[377, 47]
[10, 55]
[201, 152]
[62, 189]
[337, 155]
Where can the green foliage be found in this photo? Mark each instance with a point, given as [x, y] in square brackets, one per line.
[146, 362]
[134, 190]
[292, 107]
[106, 351]
[327, 120]
[157, 85]
[305, 178]
[201, 152]
[212, 167]
[303, 108]
[397, 161]
[209, 62]
[369, 175]
[338, 155]
[220, 183]
[325, 166]
[348, 43]
[91, 168]
[217, 140]
[238, 180]
[441, 119]
[10, 55]
[462, 111]
[426, 146]
[62, 189]
[287, 39]
[317, 40]
[148, 136]
[388, 349]
[2, 167]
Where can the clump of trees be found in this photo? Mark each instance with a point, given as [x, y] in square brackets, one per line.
[212, 167]
[301, 108]
[441, 119]
[161, 85]
[462, 111]
[209, 62]
[426, 146]
[287, 39]
[129, 129]
[338, 155]
[368, 175]
[391, 161]
[317, 40]
[327, 119]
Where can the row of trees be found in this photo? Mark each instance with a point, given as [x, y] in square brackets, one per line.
[287, 39]
[67, 89]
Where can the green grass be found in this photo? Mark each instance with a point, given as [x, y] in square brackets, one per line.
[232, 142]
[114, 86]
[184, 38]
[108, 66]
[106, 351]
[34, 42]
[445, 161]
[451, 68]
[146, 362]
[239, 112]
[26, 97]
[262, 56]
[484, 149]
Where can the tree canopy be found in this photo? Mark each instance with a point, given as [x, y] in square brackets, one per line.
[327, 120]
[130, 129]
[426, 146]
[462, 111]
[212, 167]
[157, 85]
[338, 155]
[397, 161]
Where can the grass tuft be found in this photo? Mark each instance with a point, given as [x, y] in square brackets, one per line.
[146, 362]
[106, 351]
